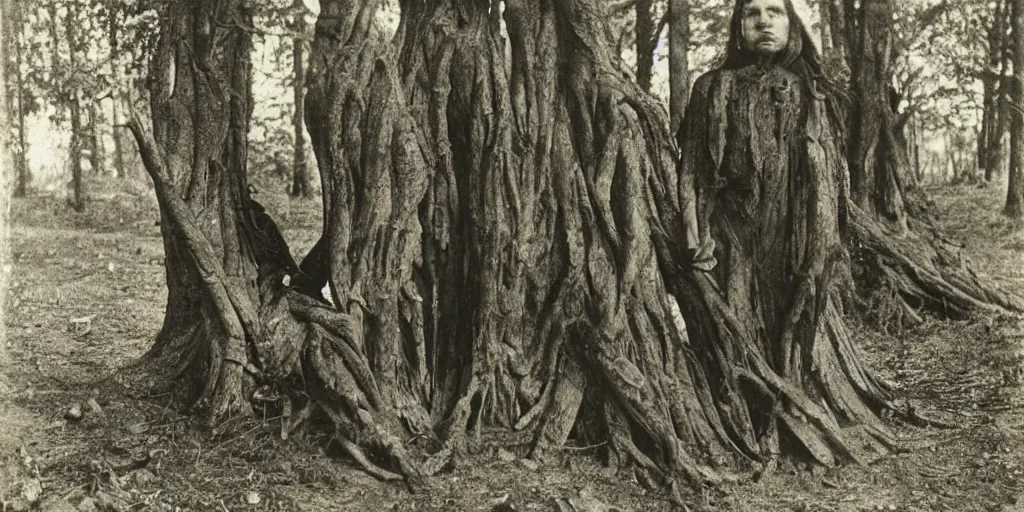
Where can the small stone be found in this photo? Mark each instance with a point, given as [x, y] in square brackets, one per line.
[31, 490]
[529, 464]
[252, 497]
[110, 266]
[56, 504]
[74, 413]
[87, 505]
[105, 501]
[142, 477]
[93, 406]
[18, 505]
[505, 455]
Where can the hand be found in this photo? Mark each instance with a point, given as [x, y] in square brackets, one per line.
[702, 258]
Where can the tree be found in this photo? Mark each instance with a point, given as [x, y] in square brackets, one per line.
[503, 241]
[993, 124]
[300, 181]
[679, 62]
[14, 92]
[7, 160]
[646, 41]
[877, 186]
[94, 140]
[1015, 189]
[73, 102]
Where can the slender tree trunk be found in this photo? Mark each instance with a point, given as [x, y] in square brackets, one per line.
[118, 116]
[75, 110]
[300, 177]
[994, 116]
[97, 153]
[7, 161]
[24, 173]
[985, 131]
[678, 60]
[645, 43]
[1015, 190]
[842, 16]
[77, 200]
[825, 27]
[916, 137]
[12, 28]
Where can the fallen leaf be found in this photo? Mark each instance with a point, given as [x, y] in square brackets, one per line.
[252, 497]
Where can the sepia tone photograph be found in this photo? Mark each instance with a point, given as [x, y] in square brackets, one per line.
[512, 255]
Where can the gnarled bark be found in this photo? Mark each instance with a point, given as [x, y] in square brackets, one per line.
[201, 101]
[900, 271]
[503, 239]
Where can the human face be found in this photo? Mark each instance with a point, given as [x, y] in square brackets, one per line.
[765, 26]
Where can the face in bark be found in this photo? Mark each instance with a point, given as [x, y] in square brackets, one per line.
[765, 26]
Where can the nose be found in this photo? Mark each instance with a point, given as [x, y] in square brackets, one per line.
[763, 21]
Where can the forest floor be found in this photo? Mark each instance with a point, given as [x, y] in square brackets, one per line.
[88, 297]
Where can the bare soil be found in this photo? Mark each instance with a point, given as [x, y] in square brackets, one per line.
[87, 299]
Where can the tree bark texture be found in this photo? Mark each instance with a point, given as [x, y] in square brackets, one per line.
[678, 61]
[97, 154]
[118, 117]
[875, 155]
[646, 41]
[213, 234]
[300, 174]
[77, 199]
[12, 51]
[993, 124]
[504, 243]
[1015, 190]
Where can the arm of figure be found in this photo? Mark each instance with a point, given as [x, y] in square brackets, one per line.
[696, 209]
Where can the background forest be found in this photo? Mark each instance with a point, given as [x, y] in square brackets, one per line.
[75, 67]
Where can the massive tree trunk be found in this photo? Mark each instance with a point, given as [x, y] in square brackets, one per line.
[900, 268]
[503, 240]
[678, 61]
[300, 174]
[875, 156]
[1015, 190]
[213, 234]
[504, 245]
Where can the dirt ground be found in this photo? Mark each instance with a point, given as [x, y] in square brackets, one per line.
[88, 295]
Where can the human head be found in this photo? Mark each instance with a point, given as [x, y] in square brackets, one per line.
[764, 25]
[797, 44]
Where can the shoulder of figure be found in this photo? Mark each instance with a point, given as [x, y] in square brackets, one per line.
[703, 84]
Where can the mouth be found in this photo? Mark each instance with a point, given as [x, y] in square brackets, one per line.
[765, 39]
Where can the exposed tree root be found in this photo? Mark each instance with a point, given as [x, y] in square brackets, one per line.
[503, 245]
[918, 274]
